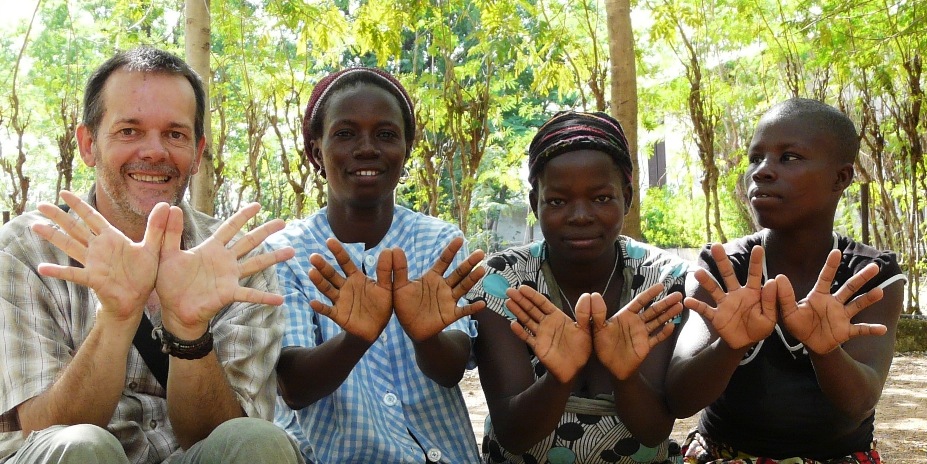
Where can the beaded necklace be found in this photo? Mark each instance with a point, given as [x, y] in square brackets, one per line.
[607, 284]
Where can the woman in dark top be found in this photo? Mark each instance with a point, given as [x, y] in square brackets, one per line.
[781, 377]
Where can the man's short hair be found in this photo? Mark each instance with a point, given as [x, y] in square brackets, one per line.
[141, 59]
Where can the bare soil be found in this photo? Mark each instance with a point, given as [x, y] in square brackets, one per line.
[901, 416]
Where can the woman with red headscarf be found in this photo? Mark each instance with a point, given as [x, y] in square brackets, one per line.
[374, 348]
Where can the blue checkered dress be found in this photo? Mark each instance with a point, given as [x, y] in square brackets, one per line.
[387, 410]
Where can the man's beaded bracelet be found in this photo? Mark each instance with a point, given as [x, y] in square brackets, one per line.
[183, 349]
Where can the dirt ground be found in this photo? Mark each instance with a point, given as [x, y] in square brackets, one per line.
[901, 416]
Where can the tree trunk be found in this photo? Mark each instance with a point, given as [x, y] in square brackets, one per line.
[624, 96]
[197, 48]
[67, 145]
[19, 181]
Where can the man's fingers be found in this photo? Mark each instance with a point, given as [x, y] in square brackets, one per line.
[94, 220]
[71, 274]
[231, 226]
[392, 269]
[769, 297]
[709, 284]
[472, 308]
[326, 270]
[857, 330]
[855, 283]
[826, 277]
[69, 225]
[173, 230]
[321, 308]
[785, 295]
[341, 256]
[64, 242]
[258, 263]
[465, 269]
[158, 222]
[324, 284]
[251, 295]
[255, 238]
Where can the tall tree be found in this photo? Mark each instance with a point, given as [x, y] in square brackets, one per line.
[702, 38]
[19, 181]
[197, 29]
[56, 92]
[624, 95]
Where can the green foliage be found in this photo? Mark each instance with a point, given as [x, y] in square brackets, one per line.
[484, 74]
[670, 219]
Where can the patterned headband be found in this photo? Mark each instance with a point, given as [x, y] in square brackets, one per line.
[330, 82]
[572, 131]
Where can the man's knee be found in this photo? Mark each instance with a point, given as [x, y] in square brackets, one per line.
[80, 443]
[250, 441]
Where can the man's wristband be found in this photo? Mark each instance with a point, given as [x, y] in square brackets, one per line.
[183, 349]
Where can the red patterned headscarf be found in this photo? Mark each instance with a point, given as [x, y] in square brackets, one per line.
[330, 84]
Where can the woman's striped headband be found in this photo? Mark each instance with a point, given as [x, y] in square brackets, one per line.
[570, 131]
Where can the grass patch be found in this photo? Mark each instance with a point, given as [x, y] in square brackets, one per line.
[911, 335]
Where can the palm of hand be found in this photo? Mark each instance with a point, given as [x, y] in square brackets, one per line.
[622, 343]
[739, 319]
[197, 283]
[121, 273]
[362, 307]
[562, 346]
[414, 300]
[819, 321]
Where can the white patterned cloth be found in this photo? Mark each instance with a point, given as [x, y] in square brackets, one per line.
[589, 430]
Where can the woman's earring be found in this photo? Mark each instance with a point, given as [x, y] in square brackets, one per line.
[405, 175]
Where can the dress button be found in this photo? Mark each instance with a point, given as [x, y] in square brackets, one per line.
[390, 399]
[133, 386]
[153, 424]
[370, 260]
[434, 455]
